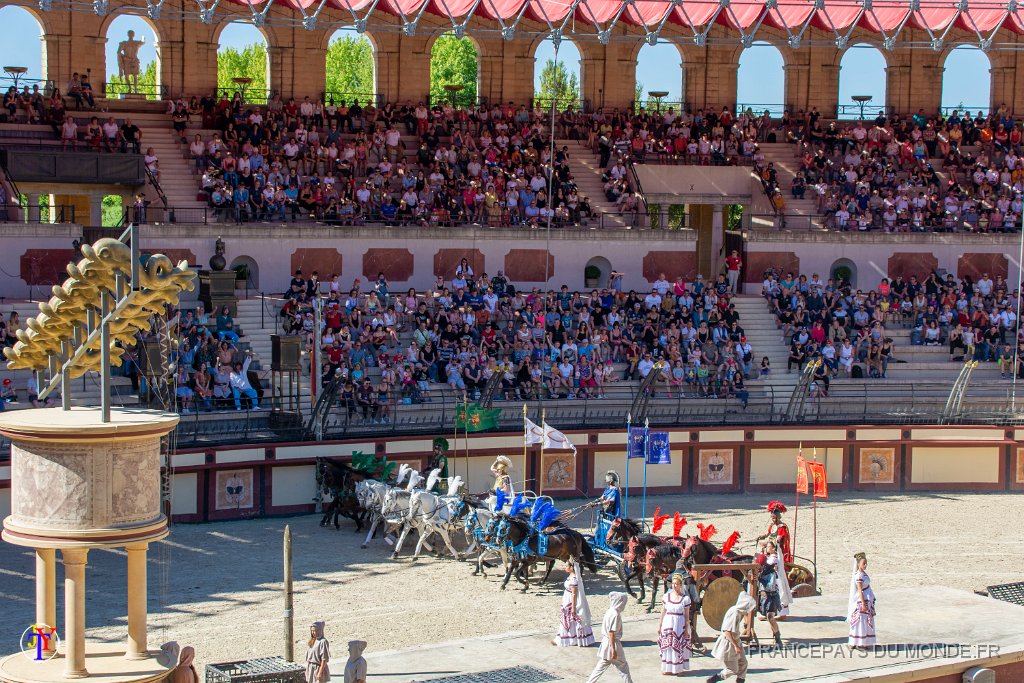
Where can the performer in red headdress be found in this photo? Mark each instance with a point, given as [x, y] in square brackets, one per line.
[780, 531]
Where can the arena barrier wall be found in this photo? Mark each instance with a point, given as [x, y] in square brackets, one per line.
[279, 479]
[38, 254]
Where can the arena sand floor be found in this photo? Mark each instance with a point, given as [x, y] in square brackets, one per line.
[218, 586]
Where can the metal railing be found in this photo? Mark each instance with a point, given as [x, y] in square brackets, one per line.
[774, 110]
[965, 111]
[852, 112]
[259, 96]
[118, 90]
[45, 86]
[154, 213]
[347, 98]
[877, 401]
[652, 106]
[825, 222]
[59, 213]
[563, 104]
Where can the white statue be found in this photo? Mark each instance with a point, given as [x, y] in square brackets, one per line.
[128, 60]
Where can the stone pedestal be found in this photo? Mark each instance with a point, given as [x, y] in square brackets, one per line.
[78, 483]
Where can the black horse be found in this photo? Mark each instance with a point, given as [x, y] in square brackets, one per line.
[563, 544]
[633, 568]
[339, 480]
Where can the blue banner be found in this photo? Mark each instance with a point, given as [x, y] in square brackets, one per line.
[635, 446]
[658, 452]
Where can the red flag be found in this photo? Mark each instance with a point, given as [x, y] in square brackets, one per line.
[801, 474]
[820, 479]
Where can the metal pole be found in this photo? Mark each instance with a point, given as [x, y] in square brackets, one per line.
[647, 446]
[104, 357]
[540, 468]
[551, 180]
[289, 621]
[625, 497]
[65, 379]
[314, 374]
[1016, 332]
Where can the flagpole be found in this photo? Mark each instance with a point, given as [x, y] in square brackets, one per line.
[540, 468]
[796, 507]
[815, 523]
[465, 431]
[647, 453]
[625, 498]
[526, 435]
[455, 441]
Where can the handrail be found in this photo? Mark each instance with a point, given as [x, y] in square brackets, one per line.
[637, 186]
[154, 182]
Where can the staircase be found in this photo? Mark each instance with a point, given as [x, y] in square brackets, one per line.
[585, 171]
[765, 338]
[176, 177]
[801, 214]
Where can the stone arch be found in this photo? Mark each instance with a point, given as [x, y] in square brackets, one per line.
[265, 32]
[844, 268]
[951, 92]
[863, 56]
[754, 93]
[343, 31]
[41, 20]
[110, 65]
[253, 266]
[603, 265]
[462, 97]
[673, 82]
[567, 59]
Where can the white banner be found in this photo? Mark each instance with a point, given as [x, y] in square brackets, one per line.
[532, 432]
[556, 440]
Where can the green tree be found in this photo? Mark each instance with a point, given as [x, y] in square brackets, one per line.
[113, 212]
[453, 61]
[147, 83]
[350, 69]
[559, 85]
[249, 62]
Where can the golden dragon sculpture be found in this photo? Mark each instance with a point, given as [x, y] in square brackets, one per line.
[65, 317]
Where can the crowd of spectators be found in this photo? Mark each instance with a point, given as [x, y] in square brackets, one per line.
[914, 174]
[349, 164]
[386, 346]
[846, 328]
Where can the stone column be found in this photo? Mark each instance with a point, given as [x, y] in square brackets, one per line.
[717, 241]
[46, 591]
[797, 89]
[95, 209]
[137, 648]
[32, 211]
[74, 611]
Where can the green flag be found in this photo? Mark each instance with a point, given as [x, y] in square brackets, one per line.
[476, 419]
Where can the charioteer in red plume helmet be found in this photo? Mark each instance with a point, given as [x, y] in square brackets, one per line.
[779, 531]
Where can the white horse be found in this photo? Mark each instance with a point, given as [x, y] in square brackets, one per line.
[431, 514]
[371, 494]
[396, 510]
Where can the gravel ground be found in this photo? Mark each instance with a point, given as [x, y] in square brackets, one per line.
[218, 586]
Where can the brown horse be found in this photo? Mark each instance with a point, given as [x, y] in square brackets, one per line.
[522, 542]
[630, 533]
[659, 564]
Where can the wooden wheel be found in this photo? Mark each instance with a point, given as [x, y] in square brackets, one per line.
[719, 596]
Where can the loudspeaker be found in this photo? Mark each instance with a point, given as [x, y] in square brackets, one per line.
[284, 352]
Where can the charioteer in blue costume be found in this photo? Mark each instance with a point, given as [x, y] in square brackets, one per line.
[610, 504]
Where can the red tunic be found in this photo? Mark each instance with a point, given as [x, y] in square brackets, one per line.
[782, 532]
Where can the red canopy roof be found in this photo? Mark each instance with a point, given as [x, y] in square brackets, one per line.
[885, 18]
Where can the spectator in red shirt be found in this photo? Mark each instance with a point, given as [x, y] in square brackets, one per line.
[733, 263]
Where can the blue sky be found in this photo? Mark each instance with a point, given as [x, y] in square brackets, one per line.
[760, 77]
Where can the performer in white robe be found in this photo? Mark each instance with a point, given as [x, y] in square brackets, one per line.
[674, 629]
[611, 652]
[860, 609]
[574, 628]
